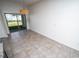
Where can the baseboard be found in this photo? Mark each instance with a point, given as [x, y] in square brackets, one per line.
[54, 40]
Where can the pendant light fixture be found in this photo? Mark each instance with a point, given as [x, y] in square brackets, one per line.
[24, 10]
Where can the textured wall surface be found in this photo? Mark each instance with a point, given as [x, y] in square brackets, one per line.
[58, 20]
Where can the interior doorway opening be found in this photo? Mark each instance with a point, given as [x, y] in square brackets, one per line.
[15, 22]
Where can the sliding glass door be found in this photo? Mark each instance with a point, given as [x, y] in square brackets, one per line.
[16, 22]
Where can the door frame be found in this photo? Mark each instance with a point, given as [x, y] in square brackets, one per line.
[10, 13]
[7, 21]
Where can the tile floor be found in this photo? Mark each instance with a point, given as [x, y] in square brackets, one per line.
[1, 50]
[33, 45]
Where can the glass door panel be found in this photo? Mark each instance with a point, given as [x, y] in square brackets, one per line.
[15, 22]
[11, 20]
[19, 20]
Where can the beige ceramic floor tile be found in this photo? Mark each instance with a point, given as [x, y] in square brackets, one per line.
[33, 45]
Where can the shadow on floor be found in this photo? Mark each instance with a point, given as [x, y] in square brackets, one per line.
[16, 28]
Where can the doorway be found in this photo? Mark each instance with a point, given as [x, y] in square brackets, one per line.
[15, 22]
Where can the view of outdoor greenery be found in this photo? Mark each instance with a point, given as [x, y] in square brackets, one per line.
[13, 20]
[14, 23]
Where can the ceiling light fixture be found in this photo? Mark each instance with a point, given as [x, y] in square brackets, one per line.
[24, 10]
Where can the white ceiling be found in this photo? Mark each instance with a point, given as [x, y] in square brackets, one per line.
[27, 2]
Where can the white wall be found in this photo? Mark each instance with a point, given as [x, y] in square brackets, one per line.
[58, 20]
[2, 31]
[10, 7]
